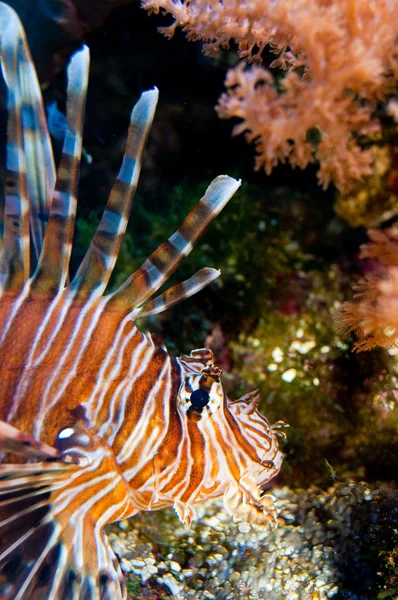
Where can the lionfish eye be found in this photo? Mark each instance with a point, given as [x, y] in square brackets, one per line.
[200, 398]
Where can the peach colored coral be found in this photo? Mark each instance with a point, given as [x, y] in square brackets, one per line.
[373, 314]
[341, 60]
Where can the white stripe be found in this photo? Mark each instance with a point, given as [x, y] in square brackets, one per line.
[94, 403]
[37, 563]
[49, 400]
[17, 305]
[144, 424]
[117, 408]
[58, 574]
[127, 386]
[32, 362]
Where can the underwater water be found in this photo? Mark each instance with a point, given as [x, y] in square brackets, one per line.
[288, 253]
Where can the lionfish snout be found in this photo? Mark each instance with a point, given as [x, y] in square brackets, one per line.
[258, 439]
[236, 436]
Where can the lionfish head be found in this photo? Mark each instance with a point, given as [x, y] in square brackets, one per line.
[238, 442]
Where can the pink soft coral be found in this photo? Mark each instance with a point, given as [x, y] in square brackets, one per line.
[341, 58]
[373, 315]
[281, 124]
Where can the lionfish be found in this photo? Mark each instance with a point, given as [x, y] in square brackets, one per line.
[98, 421]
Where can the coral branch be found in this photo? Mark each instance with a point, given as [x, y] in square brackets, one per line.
[373, 314]
[341, 60]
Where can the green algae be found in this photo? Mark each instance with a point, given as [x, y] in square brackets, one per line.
[340, 406]
[374, 200]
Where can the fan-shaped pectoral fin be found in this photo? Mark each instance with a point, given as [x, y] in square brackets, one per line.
[53, 513]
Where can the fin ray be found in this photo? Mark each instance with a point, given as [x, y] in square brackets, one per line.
[97, 266]
[52, 270]
[14, 440]
[40, 166]
[178, 293]
[14, 256]
[167, 257]
[36, 156]
[52, 543]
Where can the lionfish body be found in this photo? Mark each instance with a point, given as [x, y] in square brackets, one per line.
[97, 421]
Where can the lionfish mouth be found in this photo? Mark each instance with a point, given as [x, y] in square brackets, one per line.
[245, 499]
[261, 437]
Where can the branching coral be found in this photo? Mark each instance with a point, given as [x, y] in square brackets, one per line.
[373, 315]
[283, 125]
[340, 58]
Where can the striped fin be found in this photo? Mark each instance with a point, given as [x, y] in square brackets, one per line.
[166, 259]
[14, 256]
[35, 140]
[40, 167]
[13, 440]
[97, 266]
[52, 515]
[178, 293]
[52, 270]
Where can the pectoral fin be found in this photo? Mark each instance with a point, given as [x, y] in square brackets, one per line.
[52, 515]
